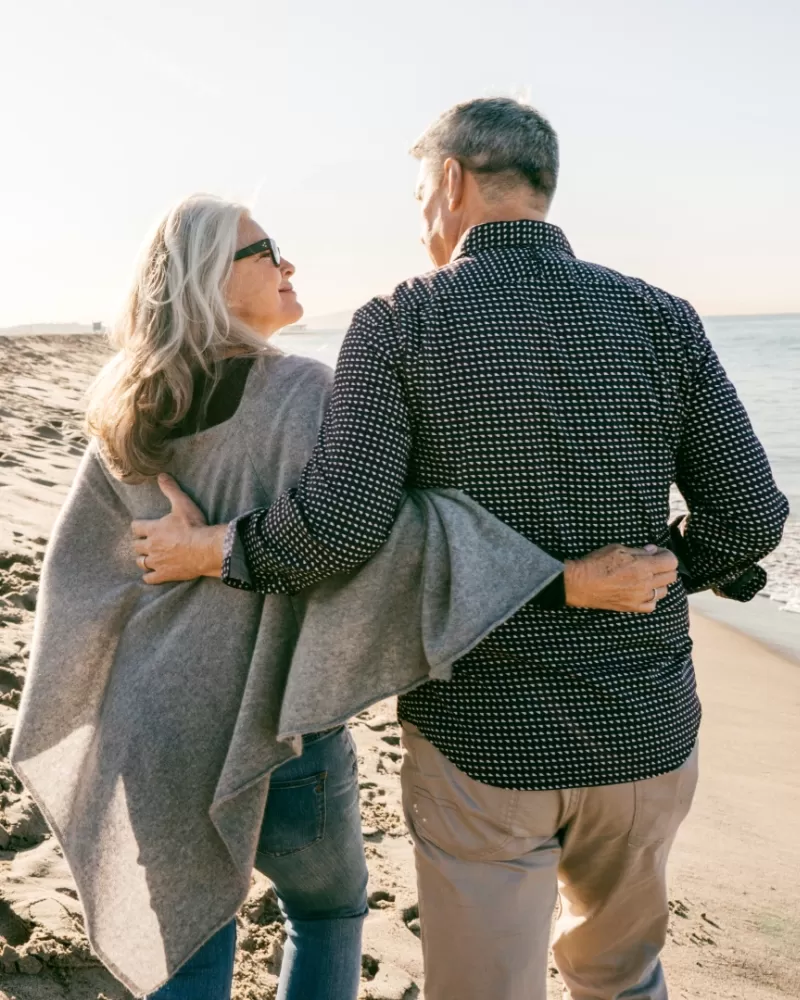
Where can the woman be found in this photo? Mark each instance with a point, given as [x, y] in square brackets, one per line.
[154, 719]
[211, 291]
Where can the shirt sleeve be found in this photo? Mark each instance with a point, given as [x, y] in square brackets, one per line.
[736, 512]
[345, 503]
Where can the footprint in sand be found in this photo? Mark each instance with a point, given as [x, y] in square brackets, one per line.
[380, 899]
[18, 581]
[382, 981]
[12, 927]
[9, 680]
[679, 909]
[8, 719]
[411, 919]
[369, 966]
[48, 432]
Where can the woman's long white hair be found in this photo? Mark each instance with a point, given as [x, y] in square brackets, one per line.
[175, 324]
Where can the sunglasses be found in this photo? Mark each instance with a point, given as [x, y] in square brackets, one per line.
[268, 244]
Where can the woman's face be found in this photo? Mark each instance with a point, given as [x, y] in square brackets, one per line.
[259, 293]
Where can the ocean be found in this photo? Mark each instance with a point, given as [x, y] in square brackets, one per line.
[762, 357]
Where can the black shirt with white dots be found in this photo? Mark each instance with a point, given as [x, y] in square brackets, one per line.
[567, 399]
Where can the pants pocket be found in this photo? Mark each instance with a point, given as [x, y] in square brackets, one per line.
[662, 803]
[435, 821]
[462, 817]
[295, 816]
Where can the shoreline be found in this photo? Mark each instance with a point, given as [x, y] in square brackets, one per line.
[760, 620]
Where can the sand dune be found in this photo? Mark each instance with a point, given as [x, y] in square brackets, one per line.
[736, 876]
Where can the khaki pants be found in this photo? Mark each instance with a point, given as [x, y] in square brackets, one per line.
[491, 863]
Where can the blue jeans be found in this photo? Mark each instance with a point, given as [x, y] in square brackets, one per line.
[310, 847]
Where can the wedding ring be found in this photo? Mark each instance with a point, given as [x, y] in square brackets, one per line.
[143, 563]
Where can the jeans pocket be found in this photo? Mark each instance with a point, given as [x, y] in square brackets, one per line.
[295, 816]
[352, 753]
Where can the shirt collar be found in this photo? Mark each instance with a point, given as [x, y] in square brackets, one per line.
[500, 235]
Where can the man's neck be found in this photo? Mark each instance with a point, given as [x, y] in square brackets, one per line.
[500, 213]
[504, 213]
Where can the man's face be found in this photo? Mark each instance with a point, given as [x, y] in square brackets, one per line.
[439, 227]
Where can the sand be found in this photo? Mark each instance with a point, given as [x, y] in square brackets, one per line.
[735, 884]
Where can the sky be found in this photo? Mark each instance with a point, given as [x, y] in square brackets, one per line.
[678, 124]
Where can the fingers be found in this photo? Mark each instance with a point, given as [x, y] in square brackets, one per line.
[647, 604]
[665, 561]
[659, 570]
[658, 594]
[645, 607]
[171, 491]
[182, 504]
[661, 559]
[141, 546]
[633, 607]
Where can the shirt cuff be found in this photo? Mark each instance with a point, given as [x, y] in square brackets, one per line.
[553, 596]
[745, 587]
[740, 586]
[235, 570]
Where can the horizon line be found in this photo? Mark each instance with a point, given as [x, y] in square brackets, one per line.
[31, 327]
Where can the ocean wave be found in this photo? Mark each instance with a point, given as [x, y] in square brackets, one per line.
[783, 569]
[782, 566]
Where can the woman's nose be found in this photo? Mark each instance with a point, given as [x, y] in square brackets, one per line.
[287, 268]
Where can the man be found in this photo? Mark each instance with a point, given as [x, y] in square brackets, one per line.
[566, 398]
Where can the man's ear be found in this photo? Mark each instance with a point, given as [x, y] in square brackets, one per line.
[454, 183]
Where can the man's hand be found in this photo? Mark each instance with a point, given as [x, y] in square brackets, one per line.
[179, 546]
[620, 579]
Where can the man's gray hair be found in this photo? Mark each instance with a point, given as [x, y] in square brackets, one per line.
[503, 141]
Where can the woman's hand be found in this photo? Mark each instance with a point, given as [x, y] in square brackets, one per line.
[180, 545]
[617, 578]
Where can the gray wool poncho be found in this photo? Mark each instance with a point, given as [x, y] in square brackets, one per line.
[152, 716]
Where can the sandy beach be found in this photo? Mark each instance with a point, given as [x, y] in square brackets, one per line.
[735, 880]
